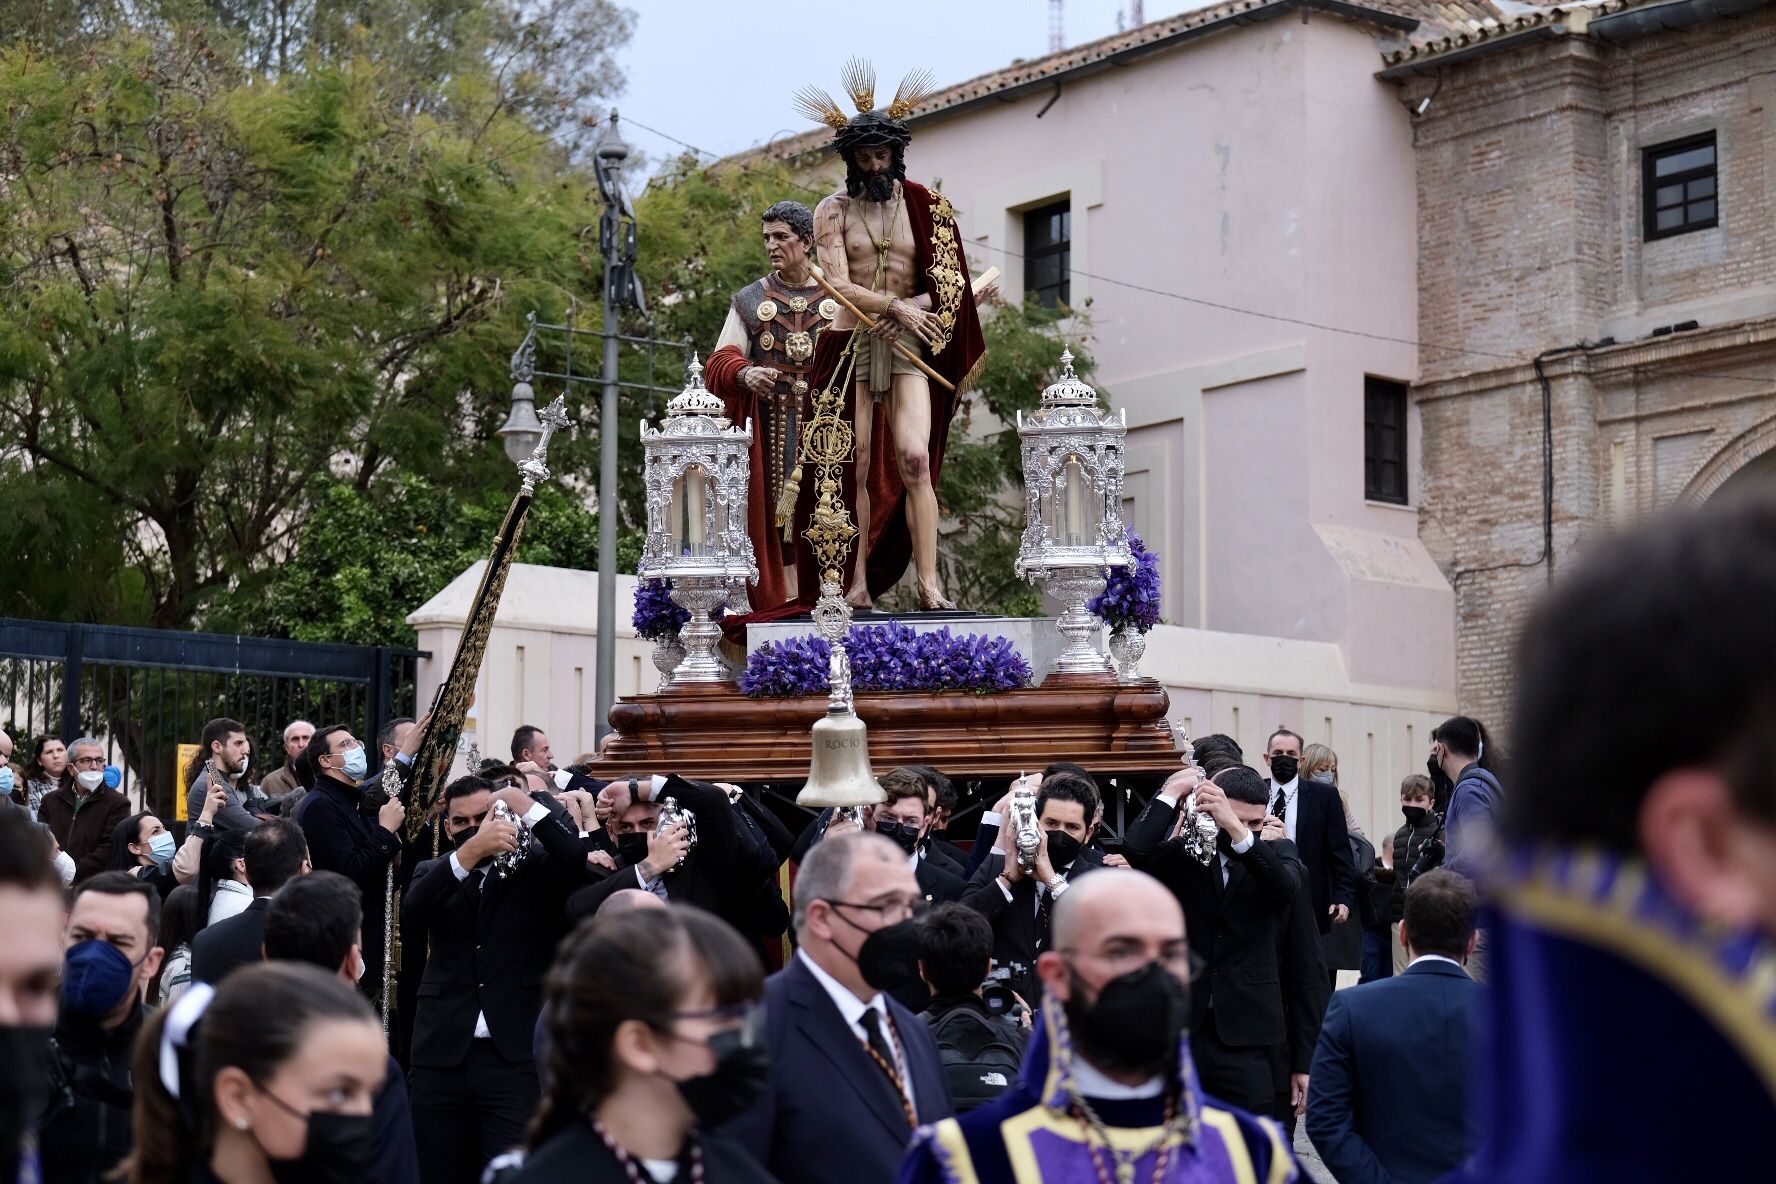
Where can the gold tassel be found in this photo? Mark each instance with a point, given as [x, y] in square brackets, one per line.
[786, 501]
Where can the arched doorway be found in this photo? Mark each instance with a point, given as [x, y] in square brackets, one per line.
[1757, 473]
[1745, 463]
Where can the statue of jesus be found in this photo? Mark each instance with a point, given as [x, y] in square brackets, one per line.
[890, 249]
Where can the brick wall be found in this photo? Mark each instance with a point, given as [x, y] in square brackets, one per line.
[1530, 240]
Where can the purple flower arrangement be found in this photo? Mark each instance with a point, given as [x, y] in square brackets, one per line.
[1130, 600]
[890, 657]
[656, 617]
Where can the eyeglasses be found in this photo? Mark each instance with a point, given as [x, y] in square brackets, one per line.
[348, 746]
[89, 762]
[892, 912]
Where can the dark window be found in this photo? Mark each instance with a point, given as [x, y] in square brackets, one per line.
[1384, 441]
[1678, 187]
[1048, 250]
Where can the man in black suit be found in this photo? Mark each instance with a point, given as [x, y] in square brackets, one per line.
[1313, 818]
[943, 804]
[343, 838]
[1390, 1076]
[904, 818]
[1233, 907]
[1018, 903]
[492, 933]
[276, 853]
[853, 1073]
[706, 874]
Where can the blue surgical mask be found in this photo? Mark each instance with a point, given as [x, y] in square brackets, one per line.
[96, 977]
[7, 780]
[161, 847]
[356, 764]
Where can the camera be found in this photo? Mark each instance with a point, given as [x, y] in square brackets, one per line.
[997, 995]
[1430, 856]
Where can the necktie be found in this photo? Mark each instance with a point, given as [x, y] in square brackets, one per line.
[1280, 807]
[1044, 905]
[882, 1053]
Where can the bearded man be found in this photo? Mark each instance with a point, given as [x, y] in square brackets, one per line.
[760, 370]
[890, 248]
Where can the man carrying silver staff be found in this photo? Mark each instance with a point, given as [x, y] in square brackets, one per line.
[491, 912]
[1235, 907]
[760, 368]
[665, 861]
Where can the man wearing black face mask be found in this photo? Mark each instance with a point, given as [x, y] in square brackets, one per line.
[492, 932]
[1108, 1079]
[905, 819]
[110, 957]
[1019, 903]
[1236, 904]
[853, 1073]
[1313, 819]
[30, 965]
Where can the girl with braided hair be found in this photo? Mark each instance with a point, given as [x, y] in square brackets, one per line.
[654, 1038]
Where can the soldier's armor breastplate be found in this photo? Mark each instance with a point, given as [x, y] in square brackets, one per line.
[782, 325]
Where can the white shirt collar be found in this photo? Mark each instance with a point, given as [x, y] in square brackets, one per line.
[1436, 958]
[849, 1005]
[1093, 1084]
[1288, 788]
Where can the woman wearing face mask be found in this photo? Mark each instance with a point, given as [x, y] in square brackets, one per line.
[49, 760]
[143, 846]
[269, 1079]
[651, 1043]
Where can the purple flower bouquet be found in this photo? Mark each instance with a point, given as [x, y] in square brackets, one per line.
[1130, 600]
[656, 616]
[890, 657]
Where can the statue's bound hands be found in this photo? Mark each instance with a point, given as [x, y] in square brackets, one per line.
[916, 320]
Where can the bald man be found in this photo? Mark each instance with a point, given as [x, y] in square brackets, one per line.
[1110, 1059]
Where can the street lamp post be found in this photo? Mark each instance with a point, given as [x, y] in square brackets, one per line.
[619, 263]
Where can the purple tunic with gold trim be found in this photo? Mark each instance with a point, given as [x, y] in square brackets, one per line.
[1030, 1133]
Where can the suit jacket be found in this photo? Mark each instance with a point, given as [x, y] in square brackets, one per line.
[1388, 1096]
[1233, 927]
[1306, 986]
[1323, 844]
[82, 826]
[491, 941]
[1014, 921]
[830, 1113]
[938, 880]
[708, 878]
[342, 839]
[227, 945]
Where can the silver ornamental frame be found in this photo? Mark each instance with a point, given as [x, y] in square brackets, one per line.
[695, 432]
[1070, 423]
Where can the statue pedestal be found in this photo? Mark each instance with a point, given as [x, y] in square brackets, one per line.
[718, 734]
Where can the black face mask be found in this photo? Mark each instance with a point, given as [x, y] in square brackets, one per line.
[632, 847]
[463, 836]
[1284, 768]
[1440, 782]
[888, 959]
[338, 1149]
[1415, 815]
[24, 1087]
[1063, 849]
[1134, 1024]
[742, 1073]
[906, 837]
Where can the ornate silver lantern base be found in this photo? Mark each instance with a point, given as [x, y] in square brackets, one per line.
[1074, 587]
[701, 596]
[1127, 646]
[668, 653]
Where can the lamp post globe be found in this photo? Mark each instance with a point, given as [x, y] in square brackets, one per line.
[522, 428]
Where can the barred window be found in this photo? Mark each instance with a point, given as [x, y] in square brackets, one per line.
[1384, 440]
[1679, 187]
[1048, 249]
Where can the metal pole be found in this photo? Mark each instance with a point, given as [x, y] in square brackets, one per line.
[605, 677]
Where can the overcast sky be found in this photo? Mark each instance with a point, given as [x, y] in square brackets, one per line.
[719, 74]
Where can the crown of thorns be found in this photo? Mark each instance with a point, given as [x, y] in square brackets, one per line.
[859, 78]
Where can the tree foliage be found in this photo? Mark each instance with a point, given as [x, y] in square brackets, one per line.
[250, 253]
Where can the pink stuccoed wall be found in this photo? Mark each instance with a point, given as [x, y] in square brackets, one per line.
[1262, 167]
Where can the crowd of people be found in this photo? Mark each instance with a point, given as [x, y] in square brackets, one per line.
[580, 967]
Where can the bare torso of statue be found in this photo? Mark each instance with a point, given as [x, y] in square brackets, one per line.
[867, 252]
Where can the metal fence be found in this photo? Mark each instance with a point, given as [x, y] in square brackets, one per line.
[144, 692]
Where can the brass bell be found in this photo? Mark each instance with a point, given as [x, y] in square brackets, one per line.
[839, 774]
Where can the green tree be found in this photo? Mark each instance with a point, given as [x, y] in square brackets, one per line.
[226, 289]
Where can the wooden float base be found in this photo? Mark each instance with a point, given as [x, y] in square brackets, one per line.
[714, 733]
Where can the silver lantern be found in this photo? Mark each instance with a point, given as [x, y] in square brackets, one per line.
[696, 473]
[1074, 533]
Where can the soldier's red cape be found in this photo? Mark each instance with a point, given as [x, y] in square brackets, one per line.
[940, 261]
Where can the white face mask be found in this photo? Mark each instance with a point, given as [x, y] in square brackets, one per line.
[90, 779]
[65, 864]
